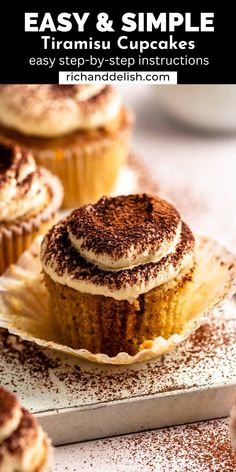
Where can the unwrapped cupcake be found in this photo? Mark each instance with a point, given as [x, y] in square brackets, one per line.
[79, 132]
[29, 199]
[119, 273]
[24, 447]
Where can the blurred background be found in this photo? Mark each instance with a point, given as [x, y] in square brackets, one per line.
[186, 136]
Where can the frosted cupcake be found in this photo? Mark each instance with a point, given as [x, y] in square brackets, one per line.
[29, 199]
[79, 132]
[24, 447]
[119, 273]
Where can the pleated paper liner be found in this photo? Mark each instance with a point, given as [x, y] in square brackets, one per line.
[24, 302]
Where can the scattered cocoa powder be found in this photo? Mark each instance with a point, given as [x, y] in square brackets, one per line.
[200, 447]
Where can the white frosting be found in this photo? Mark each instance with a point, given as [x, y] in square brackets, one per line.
[44, 111]
[11, 424]
[127, 292]
[33, 456]
[132, 258]
[17, 197]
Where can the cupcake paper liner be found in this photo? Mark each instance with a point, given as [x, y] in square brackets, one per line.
[16, 237]
[24, 302]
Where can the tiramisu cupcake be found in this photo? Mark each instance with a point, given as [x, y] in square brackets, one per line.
[119, 273]
[29, 199]
[24, 447]
[79, 132]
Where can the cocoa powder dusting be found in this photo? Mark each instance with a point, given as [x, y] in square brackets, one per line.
[12, 159]
[25, 356]
[15, 162]
[113, 225]
[53, 95]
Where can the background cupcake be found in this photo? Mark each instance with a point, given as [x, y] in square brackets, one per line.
[79, 132]
[29, 199]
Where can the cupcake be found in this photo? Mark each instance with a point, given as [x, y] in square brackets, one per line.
[29, 199]
[79, 132]
[24, 447]
[119, 273]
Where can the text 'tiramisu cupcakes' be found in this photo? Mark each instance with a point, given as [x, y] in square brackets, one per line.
[119, 273]
[29, 199]
[24, 447]
[79, 132]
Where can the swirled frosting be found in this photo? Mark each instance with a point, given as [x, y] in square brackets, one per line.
[54, 110]
[120, 247]
[23, 185]
[23, 444]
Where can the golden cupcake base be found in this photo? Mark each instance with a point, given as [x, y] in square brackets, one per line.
[17, 236]
[24, 303]
[103, 324]
[87, 163]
